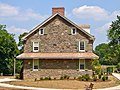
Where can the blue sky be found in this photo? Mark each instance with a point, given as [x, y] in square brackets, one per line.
[23, 15]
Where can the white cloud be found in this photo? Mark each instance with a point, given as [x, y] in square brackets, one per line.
[95, 13]
[104, 28]
[29, 14]
[15, 13]
[7, 10]
[15, 30]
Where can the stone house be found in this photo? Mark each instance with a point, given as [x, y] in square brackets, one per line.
[57, 47]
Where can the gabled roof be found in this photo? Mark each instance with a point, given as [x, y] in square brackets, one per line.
[51, 17]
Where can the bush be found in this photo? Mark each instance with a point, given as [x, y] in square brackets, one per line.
[80, 78]
[54, 78]
[61, 78]
[99, 76]
[95, 78]
[103, 78]
[41, 78]
[49, 78]
[118, 66]
[66, 77]
[74, 78]
[46, 78]
[35, 79]
[17, 76]
[106, 77]
[85, 77]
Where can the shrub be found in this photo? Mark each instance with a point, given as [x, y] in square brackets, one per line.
[46, 78]
[17, 76]
[74, 78]
[103, 78]
[99, 76]
[85, 77]
[106, 77]
[54, 78]
[49, 78]
[61, 78]
[41, 78]
[80, 78]
[95, 78]
[66, 77]
[35, 79]
[118, 66]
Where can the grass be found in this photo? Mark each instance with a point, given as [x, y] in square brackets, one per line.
[67, 84]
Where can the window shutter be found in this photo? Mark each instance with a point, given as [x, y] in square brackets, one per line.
[45, 31]
[31, 47]
[77, 46]
[31, 64]
[41, 47]
[69, 31]
[86, 46]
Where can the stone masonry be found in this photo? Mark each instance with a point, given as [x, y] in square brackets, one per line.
[54, 69]
[58, 38]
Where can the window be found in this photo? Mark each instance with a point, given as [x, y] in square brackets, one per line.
[81, 46]
[73, 31]
[35, 46]
[35, 65]
[81, 64]
[41, 31]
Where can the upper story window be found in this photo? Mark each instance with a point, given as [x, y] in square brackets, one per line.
[35, 46]
[41, 31]
[73, 31]
[82, 46]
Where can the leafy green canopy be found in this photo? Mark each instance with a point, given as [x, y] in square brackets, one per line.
[110, 53]
[114, 32]
[21, 42]
[8, 48]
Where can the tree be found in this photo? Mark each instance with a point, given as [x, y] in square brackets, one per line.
[114, 32]
[20, 44]
[114, 37]
[8, 48]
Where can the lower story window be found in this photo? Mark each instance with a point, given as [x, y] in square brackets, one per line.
[35, 65]
[81, 64]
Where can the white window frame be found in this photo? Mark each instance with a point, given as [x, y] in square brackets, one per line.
[40, 31]
[34, 46]
[79, 65]
[33, 65]
[72, 31]
[79, 46]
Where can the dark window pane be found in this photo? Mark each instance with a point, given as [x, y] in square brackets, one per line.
[73, 31]
[81, 45]
[35, 67]
[41, 32]
[35, 48]
[81, 66]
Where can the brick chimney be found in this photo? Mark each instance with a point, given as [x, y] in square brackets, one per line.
[59, 10]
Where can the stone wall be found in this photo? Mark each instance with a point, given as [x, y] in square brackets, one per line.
[55, 68]
[57, 38]
[53, 73]
[59, 64]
